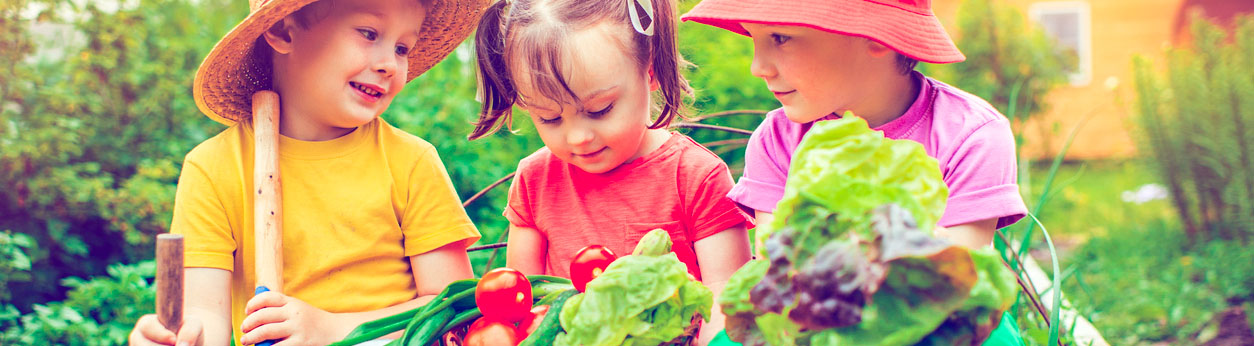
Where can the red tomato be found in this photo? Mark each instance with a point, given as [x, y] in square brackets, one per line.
[504, 294]
[529, 325]
[589, 263]
[488, 331]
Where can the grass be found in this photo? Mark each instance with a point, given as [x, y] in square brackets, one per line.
[1087, 198]
[1127, 265]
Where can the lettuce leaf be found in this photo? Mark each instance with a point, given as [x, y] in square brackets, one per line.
[641, 299]
[850, 258]
[848, 169]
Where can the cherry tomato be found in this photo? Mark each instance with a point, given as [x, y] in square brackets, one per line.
[504, 294]
[589, 263]
[528, 326]
[489, 331]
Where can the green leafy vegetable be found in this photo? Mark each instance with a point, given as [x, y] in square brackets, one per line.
[848, 169]
[643, 299]
[850, 258]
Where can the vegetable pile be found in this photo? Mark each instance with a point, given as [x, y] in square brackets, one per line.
[509, 317]
[850, 258]
[646, 298]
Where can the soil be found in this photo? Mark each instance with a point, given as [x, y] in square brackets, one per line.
[1234, 328]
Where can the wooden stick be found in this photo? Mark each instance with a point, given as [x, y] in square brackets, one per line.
[170, 281]
[268, 202]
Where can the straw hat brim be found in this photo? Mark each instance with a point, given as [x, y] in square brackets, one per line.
[230, 74]
[916, 34]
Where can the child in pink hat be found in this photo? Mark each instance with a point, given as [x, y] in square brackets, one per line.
[822, 58]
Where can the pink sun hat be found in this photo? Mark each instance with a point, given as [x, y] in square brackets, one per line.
[907, 26]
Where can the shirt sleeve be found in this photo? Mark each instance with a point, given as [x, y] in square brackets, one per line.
[518, 206]
[710, 210]
[761, 186]
[202, 219]
[434, 216]
[983, 180]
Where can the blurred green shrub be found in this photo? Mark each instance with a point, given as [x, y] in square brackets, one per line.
[1197, 128]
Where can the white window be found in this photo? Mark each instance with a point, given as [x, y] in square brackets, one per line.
[1068, 22]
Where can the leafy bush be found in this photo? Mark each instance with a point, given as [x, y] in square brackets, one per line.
[1197, 123]
[93, 127]
[99, 311]
[14, 263]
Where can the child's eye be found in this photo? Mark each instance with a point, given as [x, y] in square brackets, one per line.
[368, 34]
[600, 113]
[402, 50]
[549, 121]
[780, 39]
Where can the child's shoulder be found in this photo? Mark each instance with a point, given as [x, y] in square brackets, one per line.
[221, 146]
[949, 99]
[538, 161]
[695, 155]
[398, 141]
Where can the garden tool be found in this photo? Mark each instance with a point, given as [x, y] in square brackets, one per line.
[268, 201]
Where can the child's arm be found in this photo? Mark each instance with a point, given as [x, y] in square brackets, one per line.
[719, 256]
[973, 235]
[760, 218]
[207, 318]
[274, 316]
[526, 250]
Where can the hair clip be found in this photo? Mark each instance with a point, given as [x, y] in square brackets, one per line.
[642, 23]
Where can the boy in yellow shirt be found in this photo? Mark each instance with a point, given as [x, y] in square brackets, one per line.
[372, 224]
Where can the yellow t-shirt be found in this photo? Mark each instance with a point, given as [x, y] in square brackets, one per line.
[354, 209]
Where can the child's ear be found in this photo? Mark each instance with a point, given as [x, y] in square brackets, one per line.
[877, 49]
[279, 36]
[653, 83]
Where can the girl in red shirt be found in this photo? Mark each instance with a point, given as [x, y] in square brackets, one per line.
[585, 72]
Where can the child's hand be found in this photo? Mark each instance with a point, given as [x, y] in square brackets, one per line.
[149, 331]
[287, 320]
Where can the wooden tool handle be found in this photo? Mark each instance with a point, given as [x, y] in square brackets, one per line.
[268, 201]
[170, 281]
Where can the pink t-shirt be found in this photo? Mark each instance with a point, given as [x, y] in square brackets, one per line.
[680, 187]
[970, 139]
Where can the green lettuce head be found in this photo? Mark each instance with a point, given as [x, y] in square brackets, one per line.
[843, 167]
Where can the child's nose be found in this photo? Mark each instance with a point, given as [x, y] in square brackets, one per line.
[579, 136]
[385, 63]
[761, 67]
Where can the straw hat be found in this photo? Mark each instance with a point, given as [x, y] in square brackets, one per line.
[907, 26]
[231, 73]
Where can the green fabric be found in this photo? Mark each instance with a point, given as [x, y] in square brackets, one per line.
[722, 340]
[1006, 333]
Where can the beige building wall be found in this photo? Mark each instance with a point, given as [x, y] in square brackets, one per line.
[1104, 102]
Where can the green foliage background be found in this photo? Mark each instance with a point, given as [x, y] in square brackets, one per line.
[95, 120]
[1197, 122]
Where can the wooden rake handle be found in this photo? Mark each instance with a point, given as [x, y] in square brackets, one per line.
[268, 200]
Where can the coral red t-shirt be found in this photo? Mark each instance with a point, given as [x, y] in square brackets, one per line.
[681, 188]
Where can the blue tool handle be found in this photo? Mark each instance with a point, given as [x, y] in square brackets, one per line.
[259, 290]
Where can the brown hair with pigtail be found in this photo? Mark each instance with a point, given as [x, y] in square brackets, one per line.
[531, 35]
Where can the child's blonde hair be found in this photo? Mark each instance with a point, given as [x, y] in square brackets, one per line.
[538, 31]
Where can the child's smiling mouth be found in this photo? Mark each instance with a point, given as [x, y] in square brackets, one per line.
[589, 155]
[369, 90]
